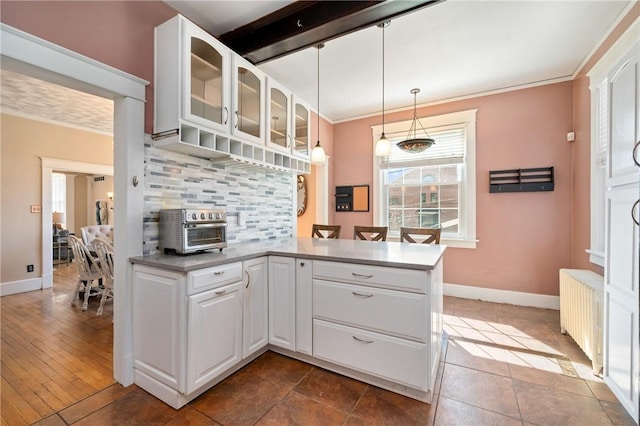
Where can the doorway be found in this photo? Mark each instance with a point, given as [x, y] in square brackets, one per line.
[41, 59]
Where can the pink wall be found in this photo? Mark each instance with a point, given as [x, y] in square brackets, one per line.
[524, 237]
[580, 223]
[117, 33]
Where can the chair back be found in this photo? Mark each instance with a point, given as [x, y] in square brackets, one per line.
[91, 232]
[370, 233]
[87, 266]
[325, 231]
[105, 255]
[428, 235]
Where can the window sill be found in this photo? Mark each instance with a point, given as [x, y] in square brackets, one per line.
[596, 257]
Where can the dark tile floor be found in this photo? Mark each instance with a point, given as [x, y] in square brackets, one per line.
[501, 365]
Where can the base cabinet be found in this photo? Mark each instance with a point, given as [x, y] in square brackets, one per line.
[282, 302]
[255, 324]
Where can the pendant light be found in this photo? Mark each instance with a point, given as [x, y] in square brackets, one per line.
[383, 146]
[317, 154]
[413, 143]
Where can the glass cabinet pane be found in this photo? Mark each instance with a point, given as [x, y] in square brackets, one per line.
[248, 111]
[279, 120]
[206, 81]
[301, 145]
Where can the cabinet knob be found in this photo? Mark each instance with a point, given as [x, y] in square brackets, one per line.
[301, 264]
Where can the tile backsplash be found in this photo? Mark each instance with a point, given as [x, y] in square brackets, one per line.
[174, 180]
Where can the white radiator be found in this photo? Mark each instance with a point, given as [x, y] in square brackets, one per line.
[581, 305]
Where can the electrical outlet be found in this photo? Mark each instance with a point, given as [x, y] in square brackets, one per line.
[29, 268]
[36, 209]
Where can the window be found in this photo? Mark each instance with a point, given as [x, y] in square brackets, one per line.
[434, 188]
[58, 192]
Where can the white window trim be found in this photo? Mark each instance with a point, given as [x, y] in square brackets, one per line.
[467, 217]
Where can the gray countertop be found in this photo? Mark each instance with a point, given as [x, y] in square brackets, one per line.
[392, 254]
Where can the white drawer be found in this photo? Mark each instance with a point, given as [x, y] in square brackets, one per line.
[389, 311]
[390, 358]
[376, 276]
[216, 276]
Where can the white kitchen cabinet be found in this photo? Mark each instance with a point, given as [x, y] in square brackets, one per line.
[282, 302]
[301, 122]
[182, 341]
[192, 78]
[304, 306]
[255, 332]
[214, 334]
[278, 117]
[248, 94]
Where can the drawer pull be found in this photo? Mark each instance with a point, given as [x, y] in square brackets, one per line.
[355, 293]
[221, 291]
[361, 275]
[218, 273]
[248, 278]
[362, 340]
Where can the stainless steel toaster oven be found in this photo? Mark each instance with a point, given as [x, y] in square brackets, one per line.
[186, 231]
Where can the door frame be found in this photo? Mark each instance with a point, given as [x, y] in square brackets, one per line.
[35, 57]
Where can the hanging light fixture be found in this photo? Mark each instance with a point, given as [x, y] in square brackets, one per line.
[317, 154]
[413, 143]
[383, 146]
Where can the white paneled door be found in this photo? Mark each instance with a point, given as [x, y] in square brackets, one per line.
[622, 333]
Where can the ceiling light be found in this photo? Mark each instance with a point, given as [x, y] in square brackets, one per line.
[413, 143]
[383, 146]
[317, 154]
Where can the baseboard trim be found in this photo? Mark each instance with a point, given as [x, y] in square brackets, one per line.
[21, 286]
[502, 296]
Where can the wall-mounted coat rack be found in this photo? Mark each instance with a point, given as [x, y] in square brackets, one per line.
[521, 180]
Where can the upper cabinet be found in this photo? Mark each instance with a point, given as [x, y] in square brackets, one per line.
[212, 103]
[301, 128]
[248, 100]
[278, 116]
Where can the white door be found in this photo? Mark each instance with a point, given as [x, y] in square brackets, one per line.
[282, 302]
[255, 333]
[621, 350]
[214, 340]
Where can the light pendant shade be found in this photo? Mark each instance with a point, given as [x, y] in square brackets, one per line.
[318, 155]
[415, 143]
[383, 146]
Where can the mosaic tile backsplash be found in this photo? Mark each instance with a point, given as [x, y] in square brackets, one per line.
[175, 180]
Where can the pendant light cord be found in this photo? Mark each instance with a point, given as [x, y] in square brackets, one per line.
[319, 47]
[383, 25]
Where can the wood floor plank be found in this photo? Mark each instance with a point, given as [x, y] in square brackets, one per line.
[52, 354]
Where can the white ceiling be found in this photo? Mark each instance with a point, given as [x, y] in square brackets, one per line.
[453, 49]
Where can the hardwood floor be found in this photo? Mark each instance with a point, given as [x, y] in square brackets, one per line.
[52, 354]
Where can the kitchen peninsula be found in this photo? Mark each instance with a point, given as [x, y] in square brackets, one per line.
[368, 310]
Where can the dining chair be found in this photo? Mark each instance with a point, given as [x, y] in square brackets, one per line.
[370, 233]
[88, 271]
[105, 254]
[428, 235]
[325, 231]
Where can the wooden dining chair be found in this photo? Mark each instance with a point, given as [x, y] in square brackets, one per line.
[88, 272]
[325, 231]
[428, 235]
[370, 233]
[105, 254]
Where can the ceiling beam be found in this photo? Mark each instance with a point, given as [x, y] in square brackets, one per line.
[308, 23]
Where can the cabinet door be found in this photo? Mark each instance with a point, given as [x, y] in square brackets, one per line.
[214, 341]
[304, 306]
[158, 324]
[255, 329]
[301, 121]
[206, 95]
[248, 101]
[282, 302]
[278, 117]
